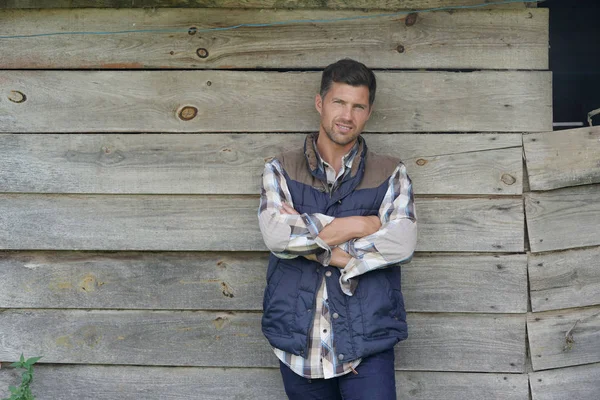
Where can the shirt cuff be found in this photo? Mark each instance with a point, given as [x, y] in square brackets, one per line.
[323, 257]
[347, 281]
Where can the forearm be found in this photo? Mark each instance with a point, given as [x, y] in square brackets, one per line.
[341, 230]
[339, 258]
[287, 233]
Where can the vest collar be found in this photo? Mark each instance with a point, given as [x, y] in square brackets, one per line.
[316, 164]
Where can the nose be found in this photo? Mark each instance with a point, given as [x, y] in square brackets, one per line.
[347, 113]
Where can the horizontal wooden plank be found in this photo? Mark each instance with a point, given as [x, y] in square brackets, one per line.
[219, 223]
[70, 382]
[227, 101]
[233, 164]
[451, 342]
[547, 333]
[444, 283]
[468, 342]
[514, 39]
[235, 281]
[563, 218]
[334, 4]
[563, 158]
[422, 385]
[579, 383]
[564, 279]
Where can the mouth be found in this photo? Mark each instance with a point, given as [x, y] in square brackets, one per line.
[343, 127]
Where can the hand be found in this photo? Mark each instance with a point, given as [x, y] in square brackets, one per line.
[311, 257]
[339, 258]
[287, 209]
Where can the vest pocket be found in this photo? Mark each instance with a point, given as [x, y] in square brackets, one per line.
[280, 298]
[378, 304]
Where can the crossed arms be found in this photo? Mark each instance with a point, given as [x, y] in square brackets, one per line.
[355, 244]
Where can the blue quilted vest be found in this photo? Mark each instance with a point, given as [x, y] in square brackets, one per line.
[370, 321]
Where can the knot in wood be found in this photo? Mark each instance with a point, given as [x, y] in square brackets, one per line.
[17, 97]
[202, 52]
[400, 49]
[188, 113]
[411, 19]
[508, 179]
[421, 162]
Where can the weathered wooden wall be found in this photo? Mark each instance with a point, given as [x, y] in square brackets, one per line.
[130, 251]
[563, 220]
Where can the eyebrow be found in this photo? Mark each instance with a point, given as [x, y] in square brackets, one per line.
[344, 101]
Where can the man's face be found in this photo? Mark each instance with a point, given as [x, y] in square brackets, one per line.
[344, 112]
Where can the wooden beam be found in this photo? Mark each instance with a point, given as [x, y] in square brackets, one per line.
[84, 382]
[486, 284]
[563, 158]
[564, 279]
[563, 218]
[564, 338]
[235, 281]
[333, 4]
[233, 164]
[219, 223]
[579, 383]
[228, 101]
[439, 342]
[513, 39]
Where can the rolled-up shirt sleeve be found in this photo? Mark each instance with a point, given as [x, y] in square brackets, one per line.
[394, 242]
[285, 235]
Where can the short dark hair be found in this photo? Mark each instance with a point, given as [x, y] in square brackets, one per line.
[350, 72]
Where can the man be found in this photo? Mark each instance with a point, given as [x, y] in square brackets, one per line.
[338, 220]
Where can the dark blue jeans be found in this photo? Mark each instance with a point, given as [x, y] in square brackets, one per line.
[375, 381]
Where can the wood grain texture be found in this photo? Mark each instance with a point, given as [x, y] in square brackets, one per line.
[439, 342]
[84, 382]
[333, 4]
[421, 385]
[510, 39]
[233, 164]
[150, 101]
[467, 342]
[563, 158]
[547, 337]
[579, 383]
[445, 283]
[563, 218]
[219, 223]
[235, 281]
[564, 279]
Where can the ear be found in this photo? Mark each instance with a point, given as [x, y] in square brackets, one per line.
[319, 103]
[370, 112]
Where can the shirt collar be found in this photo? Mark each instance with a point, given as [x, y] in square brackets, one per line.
[347, 159]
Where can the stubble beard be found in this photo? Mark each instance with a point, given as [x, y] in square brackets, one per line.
[340, 139]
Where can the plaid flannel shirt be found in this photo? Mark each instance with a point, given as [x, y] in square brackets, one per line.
[290, 236]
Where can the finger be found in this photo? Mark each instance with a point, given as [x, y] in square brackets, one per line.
[289, 209]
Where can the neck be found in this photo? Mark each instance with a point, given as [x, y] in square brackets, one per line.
[331, 152]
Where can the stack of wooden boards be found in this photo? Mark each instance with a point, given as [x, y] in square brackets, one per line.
[132, 260]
